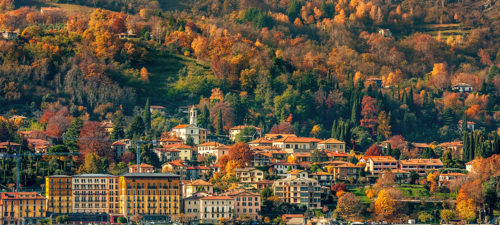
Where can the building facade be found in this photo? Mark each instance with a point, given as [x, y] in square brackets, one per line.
[154, 196]
[21, 207]
[299, 191]
[213, 209]
[95, 193]
[58, 193]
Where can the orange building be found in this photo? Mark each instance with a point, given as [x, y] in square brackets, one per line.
[21, 207]
[58, 193]
[151, 195]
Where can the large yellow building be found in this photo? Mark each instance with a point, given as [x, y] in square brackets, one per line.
[21, 207]
[151, 195]
[58, 193]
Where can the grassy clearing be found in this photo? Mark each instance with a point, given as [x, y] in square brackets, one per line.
[360, 192]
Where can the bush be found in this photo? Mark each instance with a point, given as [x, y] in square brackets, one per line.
[121, 219]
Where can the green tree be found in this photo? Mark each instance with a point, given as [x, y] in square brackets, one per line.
[118, 132]
[425, 217]
[204, 117]
[121, 219]
[147, 116]
[190, 141]
[70, 137]
[136, 128]
[428, 153]
[318, 156]
[62, 219]
[246, 134]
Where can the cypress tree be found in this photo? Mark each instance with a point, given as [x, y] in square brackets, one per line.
[118, 132]
[334, 131]
[464, 123]
[147, 116]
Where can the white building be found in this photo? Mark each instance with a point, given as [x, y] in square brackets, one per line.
[94, 193]
[215, 208]
[184, 131]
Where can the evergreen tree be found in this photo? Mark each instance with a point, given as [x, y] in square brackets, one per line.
[70, 137]
[204, 117]
[118, 132]
[449, 117]
[388, 150]
[190, 141]
[334, 130]
[147, 116]
[464, 123]
[136, 128]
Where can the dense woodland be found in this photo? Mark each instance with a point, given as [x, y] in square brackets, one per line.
[302, 67]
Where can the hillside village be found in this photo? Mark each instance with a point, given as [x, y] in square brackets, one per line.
[268, 177]
[299, 112]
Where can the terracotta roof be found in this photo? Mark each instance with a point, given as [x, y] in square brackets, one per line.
[285, 163]
[261, 141]
[178, 146]
[421, 162]
[198, 168]
[399, 171]
[197, 183]
[276, 136]
[157, 107]
[469, 163]
[382, 158]
[34, 141]
[451, 144]
[217, 198]
[143, 165]
[292, 139]
[118, 143]
[241, 193]
[167, 150]
[213, 143]
[336, 154]
[331, 141]
[180, 126]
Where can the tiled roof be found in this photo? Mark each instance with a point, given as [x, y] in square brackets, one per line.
[321, 173]
[452, 174]
[217, 198]
[422, 162]
[7, 143]
[331, 141]
[293, 139]
[381, 158]
[197, 183]
[213, 143]
[143, 165]
[399, 171]
[20, 195]
[180, 126]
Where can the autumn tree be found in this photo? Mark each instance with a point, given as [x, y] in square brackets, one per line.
[439, 76]
[385, 204]
[369, 112]
[59, 123]
[241, 154]
[144, 74]
[447, 215]
[374, 150]
[384, 127]
[348, 206]
[227, 113]
[94, 139]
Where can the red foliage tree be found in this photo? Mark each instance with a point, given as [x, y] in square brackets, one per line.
[227, 115]
[369, 112]
[282, 128]
[58, 123]
[94, 139]
[128, 157]
[373, 150]
[339, 187]
[241, 154]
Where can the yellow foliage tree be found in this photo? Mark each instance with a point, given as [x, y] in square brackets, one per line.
[340, 18]
[144, 74]
[370, 193]
[467, 210]
[385, 204]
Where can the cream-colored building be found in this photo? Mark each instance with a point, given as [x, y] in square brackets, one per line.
[249, 175]
[293, 144]
[213, 209]
[209, 148]
[184, 131]
[95, 193]
[332, 144]
[190, 187]
[299, 190]
[420, 166]
[377, 164]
